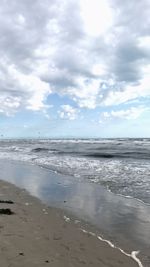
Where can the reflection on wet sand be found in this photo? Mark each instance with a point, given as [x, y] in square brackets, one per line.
[125, 221]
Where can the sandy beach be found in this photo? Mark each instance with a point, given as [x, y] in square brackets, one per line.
[37, 235]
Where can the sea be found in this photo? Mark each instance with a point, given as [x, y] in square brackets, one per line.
[122, 166]
[102, 182]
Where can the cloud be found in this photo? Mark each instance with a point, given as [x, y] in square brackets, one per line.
[67, 112]
[21, 90]
[128, 114]
[97, 53]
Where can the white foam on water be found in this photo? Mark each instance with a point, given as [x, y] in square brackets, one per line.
[132, 255]
[67, 219]
[130, 197]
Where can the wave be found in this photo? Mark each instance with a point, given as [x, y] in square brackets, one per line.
[100, 155]
[126, 196]
[124, 170]
[43, 149]
[134, 155]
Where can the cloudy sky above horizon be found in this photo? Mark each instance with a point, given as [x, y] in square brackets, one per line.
[75, 68]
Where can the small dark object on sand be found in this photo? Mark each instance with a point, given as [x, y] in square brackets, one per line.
[6, 211]
[7, 201]
[21, 254]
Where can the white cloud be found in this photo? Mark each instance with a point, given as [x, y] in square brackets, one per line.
[68, 112]
[130, 92]
[128, 114]
[97, 16]
[9, 104]
[94, 52]
[86, 92]
[21, 90]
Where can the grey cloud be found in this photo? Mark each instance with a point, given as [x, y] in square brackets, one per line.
[132, 23]
[59, 81]
[128, 62]
[71, 24]
[133, 15]
[129, 52]
[23, 29]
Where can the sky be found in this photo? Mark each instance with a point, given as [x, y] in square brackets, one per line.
[74, 68]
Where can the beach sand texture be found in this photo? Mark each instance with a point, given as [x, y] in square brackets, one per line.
[36, 235]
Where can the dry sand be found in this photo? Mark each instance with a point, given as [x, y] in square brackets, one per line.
[36, 235]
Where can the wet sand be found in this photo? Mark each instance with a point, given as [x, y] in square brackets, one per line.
[36, 235]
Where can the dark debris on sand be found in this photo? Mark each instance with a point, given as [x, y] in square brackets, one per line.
[6, 212]
[6, 202]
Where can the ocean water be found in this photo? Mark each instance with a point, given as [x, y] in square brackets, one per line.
[120, 165]
[74, 174]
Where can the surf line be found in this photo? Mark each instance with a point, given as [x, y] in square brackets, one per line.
[133, 254]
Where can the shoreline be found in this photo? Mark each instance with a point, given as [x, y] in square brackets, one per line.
[119, 223]
[39, 235]
[33, 164]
